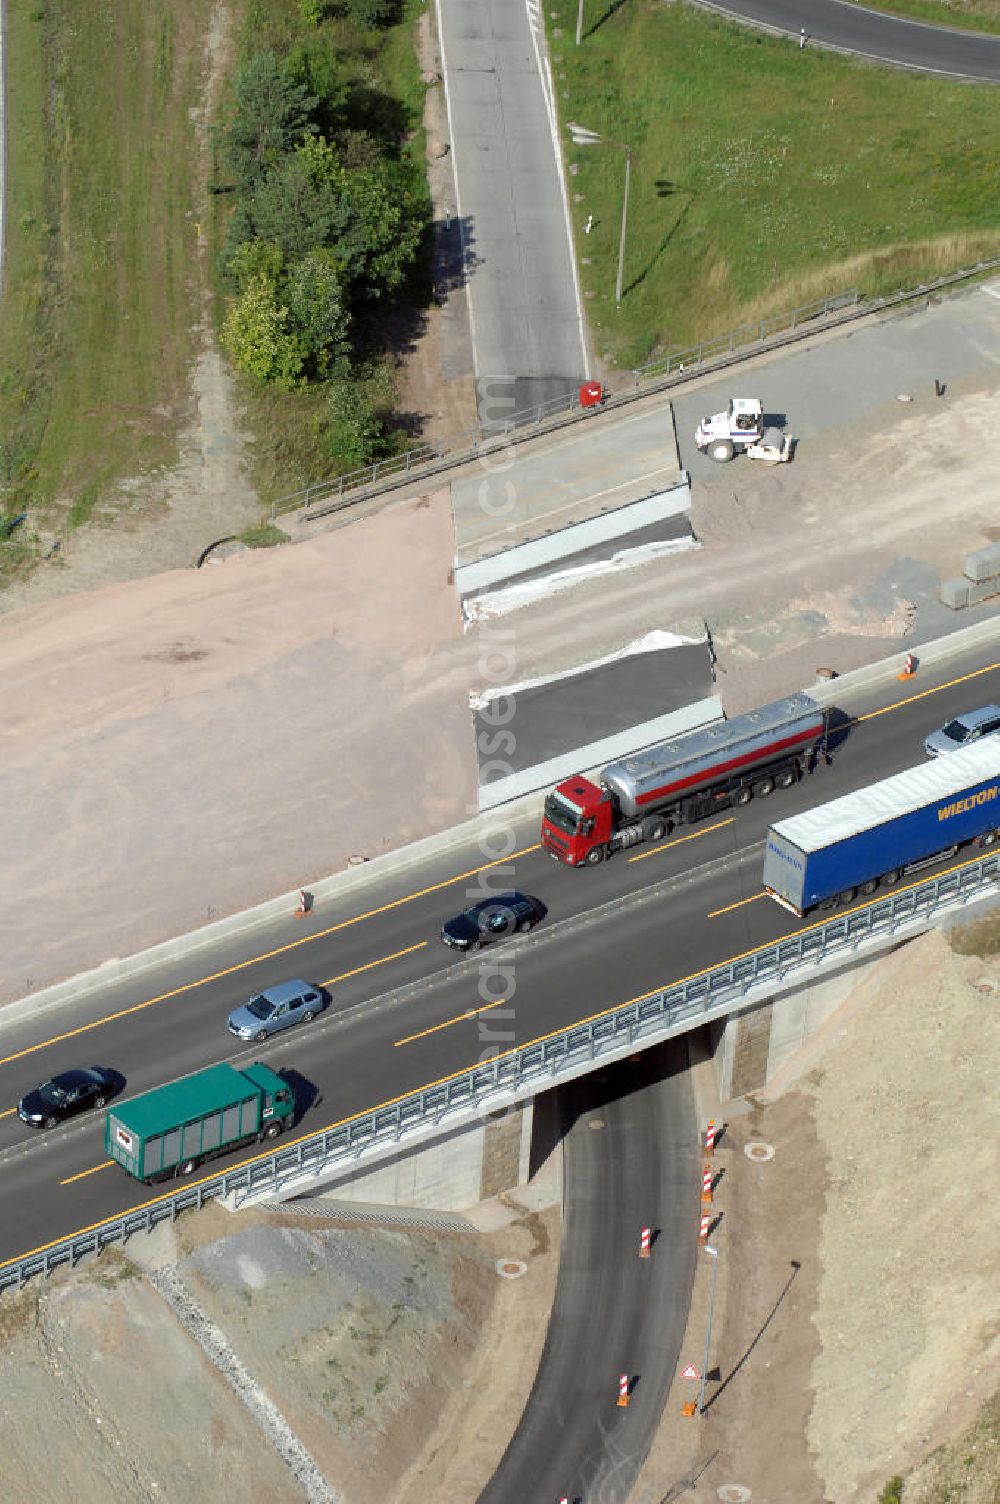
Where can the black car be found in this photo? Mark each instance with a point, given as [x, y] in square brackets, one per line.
[491, 919]
[65, 1095]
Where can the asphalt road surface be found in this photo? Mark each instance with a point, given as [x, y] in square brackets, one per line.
[889, 39]
[527, 331]
[630, 1160]
[405, 1011]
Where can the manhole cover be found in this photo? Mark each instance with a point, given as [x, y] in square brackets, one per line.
[511, 1268]
[596, 1124]
[734, 1493]
[761, 1151]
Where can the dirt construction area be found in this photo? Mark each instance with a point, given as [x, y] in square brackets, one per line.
[272, 1357]
[290, 684]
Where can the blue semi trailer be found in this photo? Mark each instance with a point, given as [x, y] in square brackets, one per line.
[853, 845]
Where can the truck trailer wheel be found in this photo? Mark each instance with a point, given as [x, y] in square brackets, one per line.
[722, 450]
[595, 855]
[187, 1167]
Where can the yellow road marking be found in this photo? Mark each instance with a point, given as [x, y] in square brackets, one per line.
[660, 849]
[459, 1017]
[8, 1112]
[453, 1075]
[714, 914]
[95, 1170]
[279, 950]
[370, 965]
[922, 694]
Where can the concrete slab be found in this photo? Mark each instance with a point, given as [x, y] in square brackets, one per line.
[602, 464]
[658, 517]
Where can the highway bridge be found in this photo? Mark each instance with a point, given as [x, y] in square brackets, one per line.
[405, 1011]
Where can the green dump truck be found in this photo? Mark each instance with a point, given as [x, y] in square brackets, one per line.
[173, 1129]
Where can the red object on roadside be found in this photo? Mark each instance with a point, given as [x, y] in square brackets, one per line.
[591, 394]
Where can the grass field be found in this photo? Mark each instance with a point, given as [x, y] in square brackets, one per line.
[966, 15]
[762, 177]
[95, 340]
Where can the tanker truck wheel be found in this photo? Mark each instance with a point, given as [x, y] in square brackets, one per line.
[784, 780]
[765, 787]
[722, 450]
[595, 855]
[743, 795]
[654, 829]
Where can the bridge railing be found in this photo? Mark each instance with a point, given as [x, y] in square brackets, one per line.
[519, 1073]
[660, 374]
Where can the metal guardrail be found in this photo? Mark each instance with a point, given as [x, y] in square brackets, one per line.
[665, 371]
[340, 492]
[756, 333]
[519, 1073]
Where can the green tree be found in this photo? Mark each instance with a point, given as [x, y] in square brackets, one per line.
[269, 118]
[257, 336]
[298, 205]
[317, 314]
[384, 224]
[354, 423]
[254, 260]
[374, 13]
[371, 218]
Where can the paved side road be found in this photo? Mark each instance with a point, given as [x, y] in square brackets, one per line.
[630, 1160]
[849, 27]
[527, 326]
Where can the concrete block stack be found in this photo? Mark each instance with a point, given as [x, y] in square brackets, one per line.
[980, 580]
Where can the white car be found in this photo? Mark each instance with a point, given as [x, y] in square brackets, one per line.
[965, 729]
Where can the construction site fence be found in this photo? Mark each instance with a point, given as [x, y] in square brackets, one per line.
[521, 1073]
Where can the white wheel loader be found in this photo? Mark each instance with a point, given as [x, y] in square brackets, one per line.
[741, 427]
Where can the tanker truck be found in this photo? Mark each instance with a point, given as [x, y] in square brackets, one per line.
[850, 847]
[643, 797]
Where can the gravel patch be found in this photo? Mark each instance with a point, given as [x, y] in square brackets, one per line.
[265, 1413]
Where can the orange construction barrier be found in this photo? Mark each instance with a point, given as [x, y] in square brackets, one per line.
[623, 1391]
[703, 1230]
[710, 1138]
[706, 1186]
[645, 1238]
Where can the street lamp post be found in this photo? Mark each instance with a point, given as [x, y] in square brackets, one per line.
[579, 24]
[582, 137]
[713, 1254]
[621, 243]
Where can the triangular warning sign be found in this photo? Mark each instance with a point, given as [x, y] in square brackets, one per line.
[690, 1372]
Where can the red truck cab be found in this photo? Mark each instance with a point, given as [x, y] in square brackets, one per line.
[578, 821]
